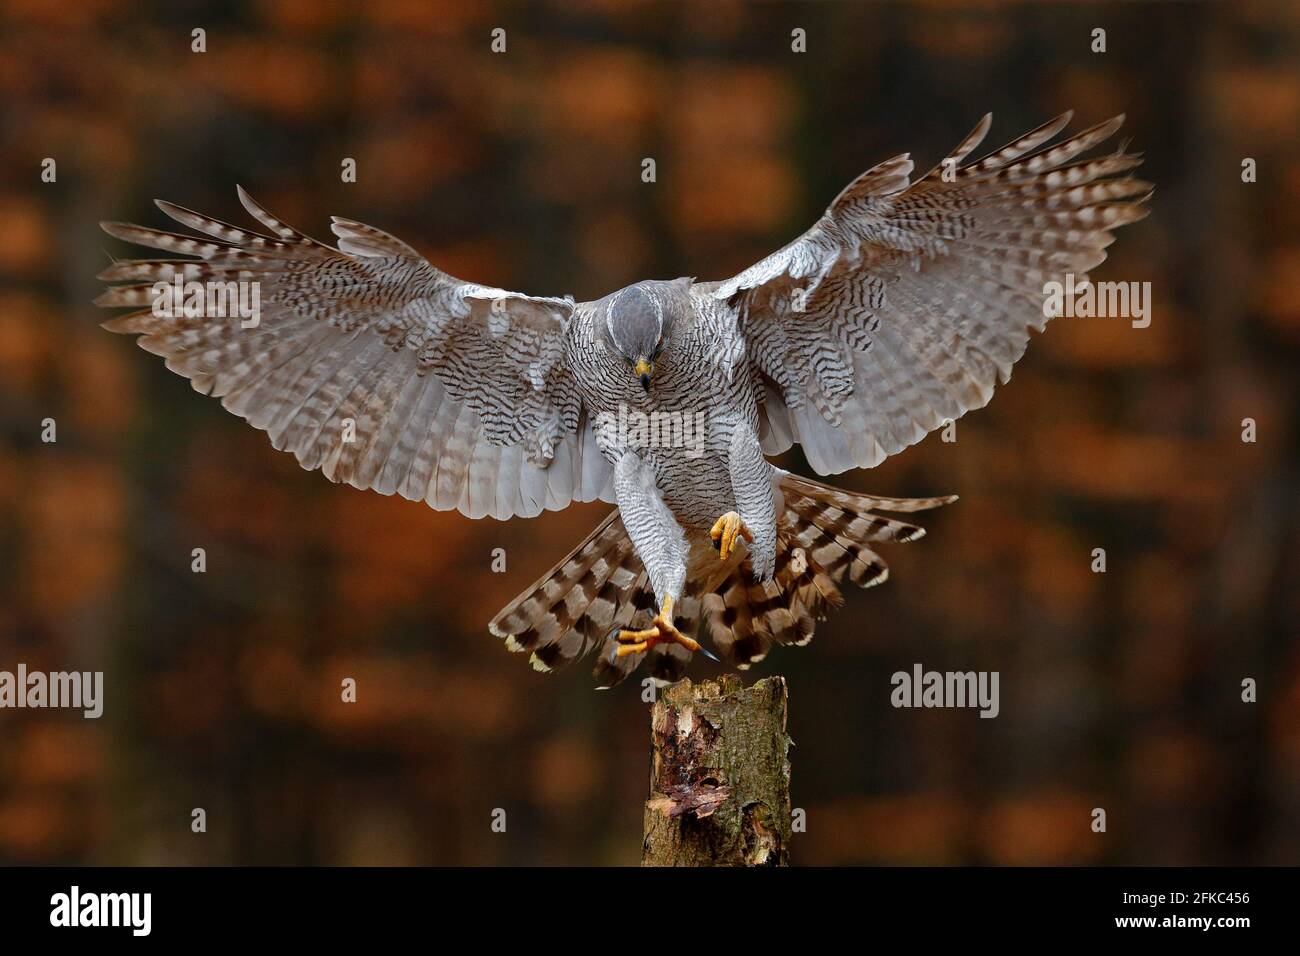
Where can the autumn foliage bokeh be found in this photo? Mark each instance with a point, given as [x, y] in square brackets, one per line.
[523, 169]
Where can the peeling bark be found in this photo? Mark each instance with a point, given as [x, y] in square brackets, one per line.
[719, 776]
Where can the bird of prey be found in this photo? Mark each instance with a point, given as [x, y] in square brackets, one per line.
[896, 312]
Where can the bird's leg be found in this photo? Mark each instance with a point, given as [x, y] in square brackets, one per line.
[661, 630]
[725, 531]
[661, 543]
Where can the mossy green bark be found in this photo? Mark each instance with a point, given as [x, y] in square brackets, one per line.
[719, 776]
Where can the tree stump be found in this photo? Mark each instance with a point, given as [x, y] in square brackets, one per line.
[719, 776]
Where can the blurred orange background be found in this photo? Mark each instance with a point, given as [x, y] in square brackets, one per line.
[1119, 690]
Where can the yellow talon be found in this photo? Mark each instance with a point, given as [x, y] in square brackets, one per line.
[662, 630]
[725, 531]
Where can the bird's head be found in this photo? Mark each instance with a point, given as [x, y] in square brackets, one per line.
[639, 320]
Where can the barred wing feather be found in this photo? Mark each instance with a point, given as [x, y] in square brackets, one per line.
[904, 305]
[372, 365]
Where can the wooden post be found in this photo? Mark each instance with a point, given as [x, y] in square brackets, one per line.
[719, 776]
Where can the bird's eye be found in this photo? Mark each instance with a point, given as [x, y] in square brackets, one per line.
[659, 347]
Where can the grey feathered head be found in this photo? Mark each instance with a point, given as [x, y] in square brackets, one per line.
[638, 320]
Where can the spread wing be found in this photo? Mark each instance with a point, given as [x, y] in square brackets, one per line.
[907, 301]
[368, 363]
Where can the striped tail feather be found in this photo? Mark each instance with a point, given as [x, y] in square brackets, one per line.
[824, 536]
[570, 609]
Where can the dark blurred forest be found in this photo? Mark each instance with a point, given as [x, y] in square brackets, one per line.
[522, 169]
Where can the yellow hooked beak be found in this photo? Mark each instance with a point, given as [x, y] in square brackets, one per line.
[644, 369]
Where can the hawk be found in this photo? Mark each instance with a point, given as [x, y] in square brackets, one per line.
[898, 311]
